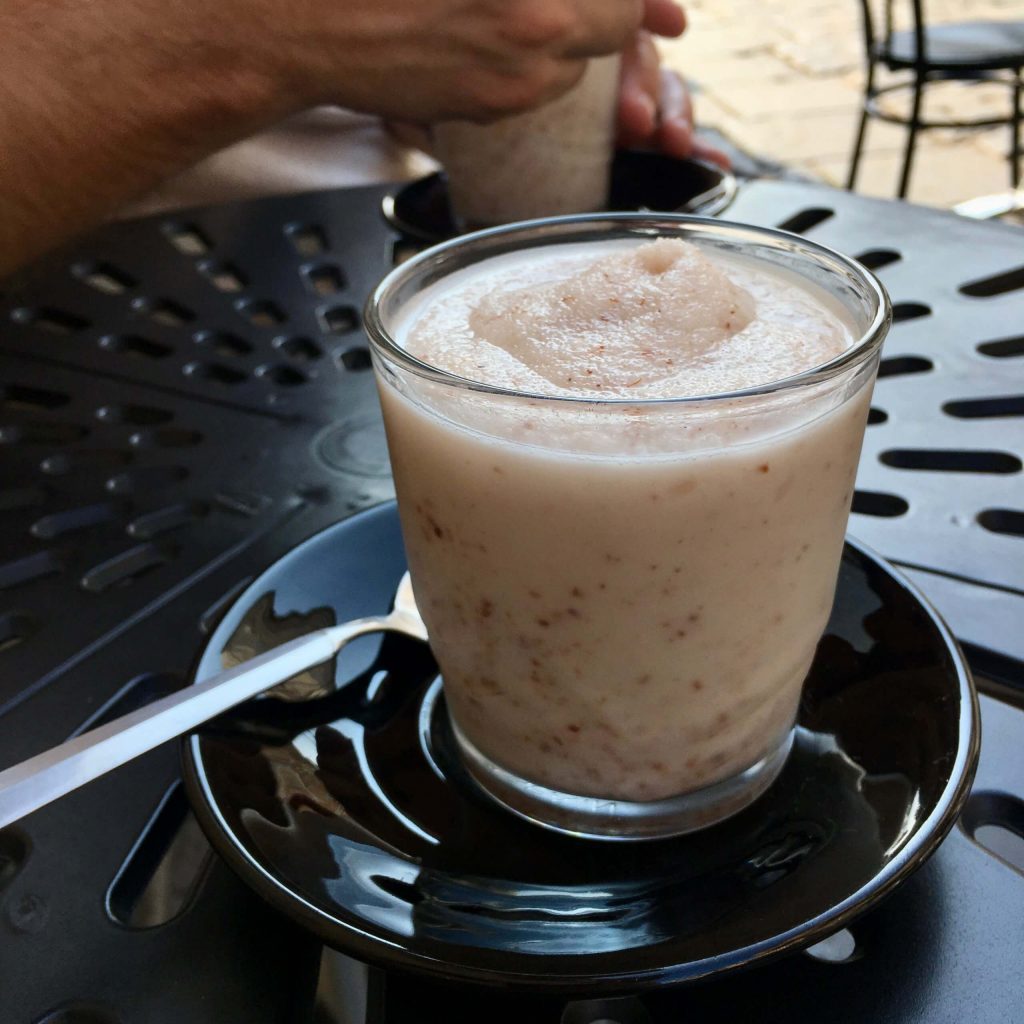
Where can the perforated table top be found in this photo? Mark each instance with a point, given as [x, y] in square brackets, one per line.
[185, 398]
[939, 490]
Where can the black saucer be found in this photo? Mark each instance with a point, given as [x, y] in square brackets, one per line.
[639, 181]
[350, 814]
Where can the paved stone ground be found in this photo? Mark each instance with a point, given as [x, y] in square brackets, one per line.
[783, 80]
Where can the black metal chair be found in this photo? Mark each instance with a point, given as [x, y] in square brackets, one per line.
[965, 51]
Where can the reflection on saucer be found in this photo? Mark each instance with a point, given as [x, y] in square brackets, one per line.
[262, 628]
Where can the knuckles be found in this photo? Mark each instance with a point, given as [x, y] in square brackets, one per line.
[540, 24]
[497, 96]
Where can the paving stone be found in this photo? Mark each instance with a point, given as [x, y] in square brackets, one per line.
[819, 134]
[795, 97]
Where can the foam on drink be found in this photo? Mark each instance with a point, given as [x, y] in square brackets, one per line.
[655, 320]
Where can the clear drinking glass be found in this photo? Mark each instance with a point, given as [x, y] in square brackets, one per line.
[624, 597]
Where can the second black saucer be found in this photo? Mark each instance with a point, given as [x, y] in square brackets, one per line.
[639, 181]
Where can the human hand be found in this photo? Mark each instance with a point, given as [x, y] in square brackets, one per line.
[655, 107]
[431, 60]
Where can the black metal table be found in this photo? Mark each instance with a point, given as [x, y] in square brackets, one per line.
[185, 398]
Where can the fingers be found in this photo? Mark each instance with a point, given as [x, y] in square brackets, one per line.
[604, 26]
[610, 23]
[501, 95]
[561, 77]
[415, 136]
[675, 132]
[705, 151]
[664, 18]
[639, 88]
[676, 136]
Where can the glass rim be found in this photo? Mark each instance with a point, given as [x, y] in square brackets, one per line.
[382, 342]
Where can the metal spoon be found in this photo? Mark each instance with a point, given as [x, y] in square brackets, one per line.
[41, 779]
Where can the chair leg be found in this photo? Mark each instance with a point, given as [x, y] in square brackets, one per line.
[912, 128]
[858, 145]
[1018, 102]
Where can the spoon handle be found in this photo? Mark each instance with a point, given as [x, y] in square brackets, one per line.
[41, 779]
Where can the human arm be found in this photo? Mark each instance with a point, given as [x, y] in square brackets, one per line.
[101, 101]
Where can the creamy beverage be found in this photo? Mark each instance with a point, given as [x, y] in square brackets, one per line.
[624, 584]
[548, 161]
